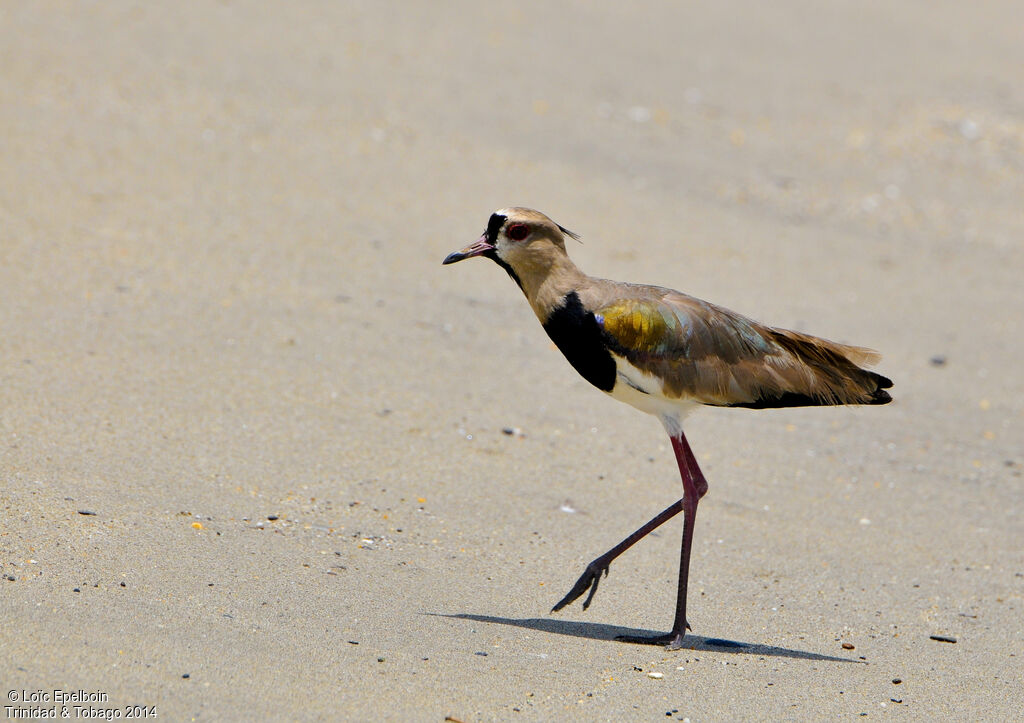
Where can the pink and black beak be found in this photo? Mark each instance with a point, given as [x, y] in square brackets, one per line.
[483, 246]
[480, 247]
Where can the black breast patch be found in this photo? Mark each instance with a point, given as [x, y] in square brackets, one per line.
[579, 337]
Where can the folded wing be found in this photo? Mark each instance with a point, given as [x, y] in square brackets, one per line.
[717, 357]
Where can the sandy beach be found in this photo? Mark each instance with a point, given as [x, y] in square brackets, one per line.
[263, 458]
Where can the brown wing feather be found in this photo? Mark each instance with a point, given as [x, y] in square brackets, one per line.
[722, 358]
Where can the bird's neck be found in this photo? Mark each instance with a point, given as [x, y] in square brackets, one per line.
[546, 286]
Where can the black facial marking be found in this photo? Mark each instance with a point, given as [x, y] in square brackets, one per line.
[493, 256]
[578, 336]
[494, 226]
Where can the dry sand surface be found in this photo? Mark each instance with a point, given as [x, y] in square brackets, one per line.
[252, 459]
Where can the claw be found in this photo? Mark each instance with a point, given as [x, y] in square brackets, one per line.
[671, 641]
[588, 580]
[593, 591]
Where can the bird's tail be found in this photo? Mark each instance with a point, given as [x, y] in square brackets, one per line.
[837, 377]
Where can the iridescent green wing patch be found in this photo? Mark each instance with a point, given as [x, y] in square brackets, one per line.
[640, 327]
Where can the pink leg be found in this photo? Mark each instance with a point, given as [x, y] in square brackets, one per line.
[592, 575]
[694, 487]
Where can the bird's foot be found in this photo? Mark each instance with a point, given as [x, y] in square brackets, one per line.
[589, 579]
[671, 641]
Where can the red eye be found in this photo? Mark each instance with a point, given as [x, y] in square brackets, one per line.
[518, 231]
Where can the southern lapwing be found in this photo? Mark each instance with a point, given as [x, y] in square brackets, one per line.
[666, 353]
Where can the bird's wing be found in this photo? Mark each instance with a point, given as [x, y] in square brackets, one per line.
[715, 356]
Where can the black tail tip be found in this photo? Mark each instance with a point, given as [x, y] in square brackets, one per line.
[880, 397]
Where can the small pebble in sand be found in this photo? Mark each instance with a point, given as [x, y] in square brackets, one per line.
[938, 360]
[639, 114]
[943, 638]
[656, 676]
[897, 681]
[77, 590]
[272, 518]
[848, 646]
[969, 129]
[186, 676]
[86, 512]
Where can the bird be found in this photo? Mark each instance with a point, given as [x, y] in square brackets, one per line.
[666, 354]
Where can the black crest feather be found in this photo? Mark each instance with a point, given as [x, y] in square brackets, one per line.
[571, 234]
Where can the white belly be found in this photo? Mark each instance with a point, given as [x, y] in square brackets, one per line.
[645, 392]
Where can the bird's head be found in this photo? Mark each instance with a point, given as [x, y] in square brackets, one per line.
[521, 240]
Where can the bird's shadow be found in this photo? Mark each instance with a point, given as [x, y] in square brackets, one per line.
[600, 631]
